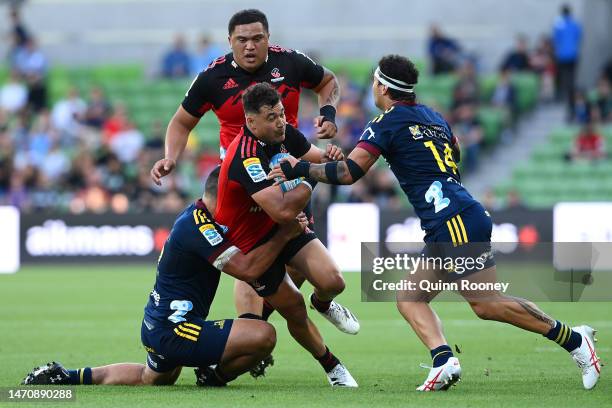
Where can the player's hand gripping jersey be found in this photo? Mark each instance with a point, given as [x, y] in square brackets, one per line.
[243, 173]
[220, 86]
[417, 143]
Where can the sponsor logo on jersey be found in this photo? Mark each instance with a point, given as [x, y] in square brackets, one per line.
[211, 234]
[255, 208]
[254, 169]
[276, 75]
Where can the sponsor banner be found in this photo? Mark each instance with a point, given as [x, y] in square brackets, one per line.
[93, 238]
[9, 239]
[516, 233]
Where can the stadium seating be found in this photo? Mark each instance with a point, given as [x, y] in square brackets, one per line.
[546, 177]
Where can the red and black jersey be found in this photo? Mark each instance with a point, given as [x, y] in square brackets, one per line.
[219, 87]
[243, 173]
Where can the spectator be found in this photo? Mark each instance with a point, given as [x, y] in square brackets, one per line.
[467, 90]
[13, 94]
[444, 52]
[206, 53]
[127, 143]
[176, 62]
[504, 94]
[19, 34]
[518, 58]
[117, 122]
[467, 128]
[55, 164]
[582, 108]
[32, 65]
[98, 109]
[603, 100]
[567, 34]
[589, 145]
[543, 62]
[68, 113]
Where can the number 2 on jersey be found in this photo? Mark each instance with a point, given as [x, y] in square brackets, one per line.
[181, 307]
[434, 194]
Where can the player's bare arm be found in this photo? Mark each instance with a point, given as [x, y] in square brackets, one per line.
[318, 155]
[328, 91]
[176, 139]
[251, 266]
[283, 207]
[356, 165]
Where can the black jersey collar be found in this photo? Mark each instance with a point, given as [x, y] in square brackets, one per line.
[257, 71]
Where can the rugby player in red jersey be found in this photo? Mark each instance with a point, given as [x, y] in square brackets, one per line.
[220, 87]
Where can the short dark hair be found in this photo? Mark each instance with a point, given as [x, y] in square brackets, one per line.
[258, 95]
[212, 182]
[402, 69]
[566, 10]
[247, 16]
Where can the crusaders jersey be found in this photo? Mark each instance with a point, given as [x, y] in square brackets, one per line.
[243, 173]
[417, 143]
[219, 87]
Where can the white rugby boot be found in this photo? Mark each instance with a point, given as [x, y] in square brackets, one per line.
[340, 316]
[441, 378]
[586, 357]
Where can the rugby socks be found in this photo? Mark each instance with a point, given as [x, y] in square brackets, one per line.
[319, 305]
[328, 361]
[80, 376]
[267, 310]
[564, 336]
[440, 355]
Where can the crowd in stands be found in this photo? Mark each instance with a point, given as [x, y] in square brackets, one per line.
[83, 153]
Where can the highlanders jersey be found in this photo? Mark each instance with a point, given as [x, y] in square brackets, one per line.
[417, 144]
[243, 173]
[220, 86]
[187, 278]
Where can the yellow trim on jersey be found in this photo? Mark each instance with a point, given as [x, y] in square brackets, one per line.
[185, 335]
[190, 331]
[465, 238]
[195, 216]
[81, 375]
[459, 239]
[452, 234]
[193, 326]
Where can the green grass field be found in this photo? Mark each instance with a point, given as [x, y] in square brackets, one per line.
[88, 316]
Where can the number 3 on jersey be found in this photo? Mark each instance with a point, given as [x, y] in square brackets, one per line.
[434, 194]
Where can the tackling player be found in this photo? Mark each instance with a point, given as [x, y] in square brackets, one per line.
[253, 207]
[174, 330]
[220, 87]
[422, 152]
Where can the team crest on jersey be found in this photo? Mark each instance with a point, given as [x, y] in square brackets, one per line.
[276, 75]
[283, 148]
[211, 234]
[416, 132]
[254, 169]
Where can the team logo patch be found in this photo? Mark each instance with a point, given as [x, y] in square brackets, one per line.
[211, 234]
[416, 132]
[276, 75]
[254, 169]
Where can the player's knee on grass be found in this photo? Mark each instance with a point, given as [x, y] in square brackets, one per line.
[150, 377]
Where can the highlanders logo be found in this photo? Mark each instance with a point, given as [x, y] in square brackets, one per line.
[254, 169]
[416, 132]
[211, 234]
